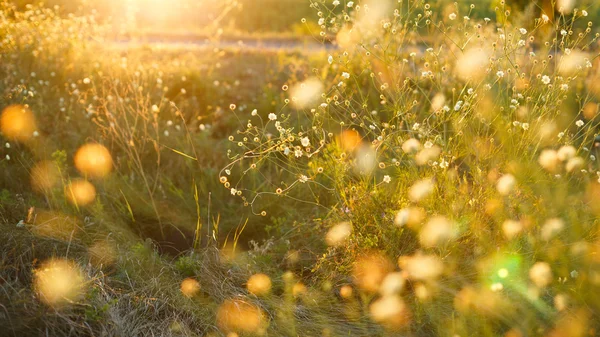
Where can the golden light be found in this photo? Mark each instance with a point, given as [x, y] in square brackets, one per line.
[437, 231]
[239, 316]
[393, 283]
[428, 154]
[306, 93]
[366, 159]
[549, 160]
[259, 284]
[541, 274]
[348, 38]
[412, 217]
[511, 228]
[421, 190]
[391, 312]
[80, 192]
[421, 267]
[299, 289]
[411, 145]
[506, 184]
[45, 175]
[93, 160]
[471, 66]
[350, 140]
[572, 63]
[338, 234]
[17, 122]
[58, 282]
[370, 270]
[346, 291]
[590, 110]
[565, 6]
[190, 287]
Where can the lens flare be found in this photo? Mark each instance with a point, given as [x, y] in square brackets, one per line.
[428, 154]
[421, 190]
[239, 316]
[471, 66]
[565, 6]
[93, 160]
[366, 159]
[412, 217]
[393, 283]
[512, 228]
[306, 93]
[541, 274]
[437, 231]
[566, 152]
[391, 312]
[549, 160]
[17, 122]
[370, 270]
[338, 234]
[411, 146]
[506, 184]
[590, 110]
[299, 289]
[80, 192]
[350, 140]
[190, 287]
[346, 291]
[259, 284]
[347, 38]
[421, 267]
[58, 282]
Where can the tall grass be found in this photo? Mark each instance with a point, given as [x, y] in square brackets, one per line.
[434, 174]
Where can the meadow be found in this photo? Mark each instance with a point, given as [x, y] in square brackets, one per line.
[423, 169]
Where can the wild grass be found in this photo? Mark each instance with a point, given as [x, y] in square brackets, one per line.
[434, 174]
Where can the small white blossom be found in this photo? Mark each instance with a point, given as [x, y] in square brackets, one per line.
[579, 123]
[345, 75]
[305, 141]
[452, 16]
[387, 179]
[546, 79]
[545, 18]
[272, 116]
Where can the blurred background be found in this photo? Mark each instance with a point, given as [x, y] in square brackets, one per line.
[254, 16]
